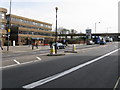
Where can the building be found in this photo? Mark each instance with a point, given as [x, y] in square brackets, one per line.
[25, 31]
[3, 22]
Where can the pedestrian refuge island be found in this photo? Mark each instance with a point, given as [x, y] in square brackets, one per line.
[52, 52]
[73, 49]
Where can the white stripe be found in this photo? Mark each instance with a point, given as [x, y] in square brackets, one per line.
[16, 61]
[48, 79]
[117, 83]
[19, 64]
[38, 58]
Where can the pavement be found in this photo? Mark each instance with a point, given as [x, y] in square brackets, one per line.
[20, 49]
[26, 48]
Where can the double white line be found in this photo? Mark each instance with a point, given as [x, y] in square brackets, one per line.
[48, 79]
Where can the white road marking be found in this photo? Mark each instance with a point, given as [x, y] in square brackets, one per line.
[117, 83]
[19, 64]
[51, 78]
[16, 61]
[9, 66]
[38, 58]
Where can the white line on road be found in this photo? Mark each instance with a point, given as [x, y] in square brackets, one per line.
[38, 58]
[16, 61]
[51, 78]
[19, 64]
[117, 83]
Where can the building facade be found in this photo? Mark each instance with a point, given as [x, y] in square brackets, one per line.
[3, 22]
[25, 31]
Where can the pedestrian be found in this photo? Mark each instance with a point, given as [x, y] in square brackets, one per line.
[32, 46]
[50, 44]
[29, 43]
[1, 45]
[36, 45]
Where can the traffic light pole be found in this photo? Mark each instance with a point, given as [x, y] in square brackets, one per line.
[9, 27]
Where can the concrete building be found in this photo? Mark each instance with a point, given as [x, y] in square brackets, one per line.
[3, 22]
[25, 30]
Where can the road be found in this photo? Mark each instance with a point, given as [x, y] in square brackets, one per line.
[90, 68]
[31, 56]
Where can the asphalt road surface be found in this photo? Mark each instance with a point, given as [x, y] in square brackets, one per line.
[90, 68]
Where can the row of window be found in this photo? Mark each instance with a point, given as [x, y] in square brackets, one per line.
[33, 28]
[29, 22]
[2, 26]
[35, 33]
[2, 15]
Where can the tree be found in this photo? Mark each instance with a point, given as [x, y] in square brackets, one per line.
[73, 31]
[62, 30]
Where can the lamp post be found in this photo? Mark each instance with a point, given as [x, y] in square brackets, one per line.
[107, 29]
[95, 26]
[56, 8]
[9, 27]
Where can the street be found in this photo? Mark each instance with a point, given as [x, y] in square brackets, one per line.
[28, 56]
[93, 67]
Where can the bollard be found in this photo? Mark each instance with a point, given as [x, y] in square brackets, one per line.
[74, 48]
[52, 50]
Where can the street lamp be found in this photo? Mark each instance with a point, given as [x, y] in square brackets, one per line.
[56, 8]
[9, 26]
[95, 26]
[107, 29]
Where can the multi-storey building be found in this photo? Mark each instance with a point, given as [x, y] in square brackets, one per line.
[25, 30]
[3, 21]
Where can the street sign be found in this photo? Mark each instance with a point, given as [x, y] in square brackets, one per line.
[88, 31]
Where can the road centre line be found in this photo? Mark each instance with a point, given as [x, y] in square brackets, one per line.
[16, 61]
[56, 76]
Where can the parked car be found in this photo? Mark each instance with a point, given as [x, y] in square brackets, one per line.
[108, 39]
[111, 39]
[59, 45]
[90, 42]
[102, 42]
[96, 40]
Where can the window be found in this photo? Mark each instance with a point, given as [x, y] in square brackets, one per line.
[2, 26]
[2, 15]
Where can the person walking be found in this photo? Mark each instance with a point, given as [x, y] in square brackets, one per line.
[37, 45]
[1, 45]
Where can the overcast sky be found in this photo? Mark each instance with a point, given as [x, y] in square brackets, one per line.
[72, 14]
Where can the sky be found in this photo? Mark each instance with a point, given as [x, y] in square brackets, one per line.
[72, 14]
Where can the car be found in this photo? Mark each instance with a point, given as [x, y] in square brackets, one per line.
[59, 45]
[90, 42]
[96, 40]
[102, 42]
[111, 39]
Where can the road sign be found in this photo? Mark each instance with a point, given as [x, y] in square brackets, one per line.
[88, 31]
